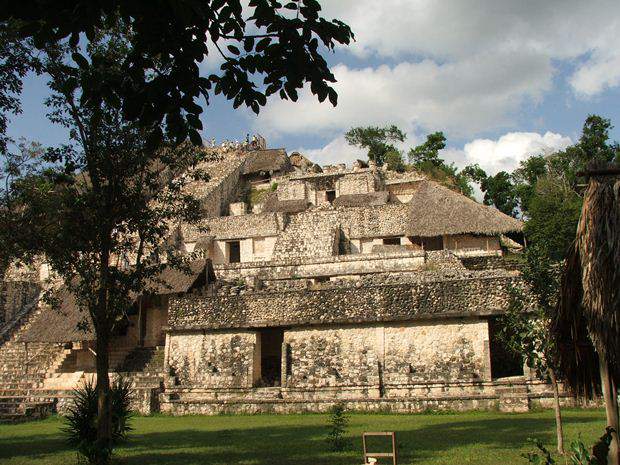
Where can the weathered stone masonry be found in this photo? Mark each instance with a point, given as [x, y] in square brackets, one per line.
[388, 302]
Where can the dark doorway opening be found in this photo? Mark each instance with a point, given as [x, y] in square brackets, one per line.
[428, 243]
[391, 241]
[234, 252]
[504, 362]
[330, 196]
[271, 340]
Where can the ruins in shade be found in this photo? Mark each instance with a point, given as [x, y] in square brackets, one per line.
[313, 285]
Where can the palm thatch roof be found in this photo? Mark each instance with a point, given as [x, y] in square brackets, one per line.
[67, 322]
[266, 160]
[370, 199]
[435, 210]
[588, 311]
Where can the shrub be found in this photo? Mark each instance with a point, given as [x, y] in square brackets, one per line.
[81, 420]
[579, 454]
[338, 422]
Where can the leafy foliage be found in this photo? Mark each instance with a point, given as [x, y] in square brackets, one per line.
[394, 161]
[428, 152]
[267, 48]
[81, 420]
[338, 422]
[579, 453]
[377, 140]
[553, 214]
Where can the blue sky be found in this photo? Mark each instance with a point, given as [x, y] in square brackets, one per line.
[503, 80]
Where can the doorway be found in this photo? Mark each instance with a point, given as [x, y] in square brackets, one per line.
[504, 362]
[234, 252]
[270, 343]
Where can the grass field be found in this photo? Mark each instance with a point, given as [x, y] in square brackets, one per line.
[478, 438]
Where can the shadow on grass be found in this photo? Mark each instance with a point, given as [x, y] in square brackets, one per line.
[305, 445]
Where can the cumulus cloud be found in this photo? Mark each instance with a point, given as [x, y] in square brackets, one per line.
[335, 151]
[464, 67]
[506, 152]
[472, 95]
[493, 155]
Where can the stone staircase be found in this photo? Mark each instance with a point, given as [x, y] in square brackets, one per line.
[308, 235]
[24, 369]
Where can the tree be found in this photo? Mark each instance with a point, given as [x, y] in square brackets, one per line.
[100, 207]
[593, 147]
[499, 192]
[377, 140]
[425, 159]
[525, 326]
[525, 178]
[394, 161]
[267, 48]
[553, 216]
[428, 152]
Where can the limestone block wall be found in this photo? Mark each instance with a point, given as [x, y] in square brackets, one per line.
[311, 234]
[321, 357]
[447, 351]
[379, 221]
[426, 296]
[337, 265]
[212, 360]
[355, 183]
[292, 190]
[242, 226]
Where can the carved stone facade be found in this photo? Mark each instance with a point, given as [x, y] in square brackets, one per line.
[321, 285]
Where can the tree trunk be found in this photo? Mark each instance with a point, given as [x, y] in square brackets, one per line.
[104, 413]
[610, 394]
[558, 413]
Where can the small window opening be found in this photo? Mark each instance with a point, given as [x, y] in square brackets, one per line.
[234, 252]
[391, 241]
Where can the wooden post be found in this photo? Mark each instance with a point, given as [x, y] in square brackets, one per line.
[610, 394]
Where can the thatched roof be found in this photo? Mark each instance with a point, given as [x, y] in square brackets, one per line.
[272, 204]
[435, 210]
[370, 199]
[60, 324]
[63, 324]
[266, 160]
[175, 281]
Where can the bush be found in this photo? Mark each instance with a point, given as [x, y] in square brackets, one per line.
[579, 454]
[81, 421]
[338, 422]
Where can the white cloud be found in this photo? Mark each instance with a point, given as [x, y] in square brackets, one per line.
[600, 72]
[460, 66]
[335, 151]
[505, 153]
[502, 154]
[475, 94]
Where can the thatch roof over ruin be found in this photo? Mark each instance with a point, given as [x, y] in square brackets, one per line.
[175, 281]
[266, 160]
[272, 204]
[69, 323]
[370, 199]
[435, 210]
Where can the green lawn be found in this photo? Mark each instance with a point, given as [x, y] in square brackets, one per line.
[478, 438]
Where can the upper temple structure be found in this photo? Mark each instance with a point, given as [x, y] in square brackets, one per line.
[316, 285]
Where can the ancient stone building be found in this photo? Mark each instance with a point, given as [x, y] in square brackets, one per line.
[318, 285]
